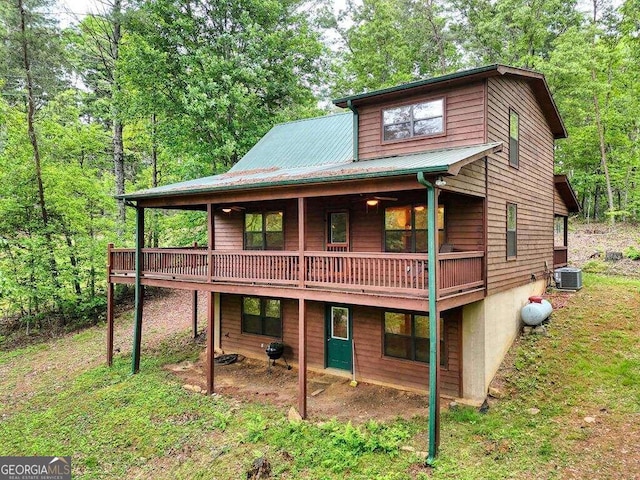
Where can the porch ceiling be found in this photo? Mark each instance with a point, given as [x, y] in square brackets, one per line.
[444, 161]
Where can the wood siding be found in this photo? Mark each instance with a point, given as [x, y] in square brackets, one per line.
[464, 115]
[559, 207]
[530, 187]
[464, 222]
[371, 364]
[229, 227]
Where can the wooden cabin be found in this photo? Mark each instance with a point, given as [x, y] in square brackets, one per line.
[333, 234]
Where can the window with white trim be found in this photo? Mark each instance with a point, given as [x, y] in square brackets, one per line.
[417, 120]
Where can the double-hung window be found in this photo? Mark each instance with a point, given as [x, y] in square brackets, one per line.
[514, 136]
[406, 335]
[405, 229]
[417, 120]
[262, 316]
[264, 231]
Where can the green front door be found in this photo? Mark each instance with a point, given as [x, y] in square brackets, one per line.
[338, 332]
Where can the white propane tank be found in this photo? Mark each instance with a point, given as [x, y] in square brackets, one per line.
[536, 311]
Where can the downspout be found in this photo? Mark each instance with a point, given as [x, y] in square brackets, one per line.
[433, 323]
[356, 128]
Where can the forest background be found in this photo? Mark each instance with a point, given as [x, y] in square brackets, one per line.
[150, 92]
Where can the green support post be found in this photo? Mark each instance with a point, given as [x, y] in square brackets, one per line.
[139, 292]
[434, 413]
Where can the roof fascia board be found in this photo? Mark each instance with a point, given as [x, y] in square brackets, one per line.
[455, 168]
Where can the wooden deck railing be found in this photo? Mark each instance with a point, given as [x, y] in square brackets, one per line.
[366, 272]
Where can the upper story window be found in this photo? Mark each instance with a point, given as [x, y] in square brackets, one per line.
[514, 133]
[405, 228]
[264, 231]
[417, 120]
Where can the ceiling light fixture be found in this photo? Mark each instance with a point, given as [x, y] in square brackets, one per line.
[440, 181]
[372, 202]
[226, 210]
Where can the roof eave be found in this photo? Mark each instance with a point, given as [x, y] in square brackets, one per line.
[440, 169]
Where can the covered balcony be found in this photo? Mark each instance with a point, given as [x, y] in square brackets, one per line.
[377, 273]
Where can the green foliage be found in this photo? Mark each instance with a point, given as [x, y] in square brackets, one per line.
[632, 252]
[595, 266]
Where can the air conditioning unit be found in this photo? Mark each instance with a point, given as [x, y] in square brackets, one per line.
[568, 278]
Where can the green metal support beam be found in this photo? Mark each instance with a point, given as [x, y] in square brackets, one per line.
[434, 413]
[139, 292]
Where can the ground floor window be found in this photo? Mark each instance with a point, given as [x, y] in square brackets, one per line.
[406, 335]
[262, 316]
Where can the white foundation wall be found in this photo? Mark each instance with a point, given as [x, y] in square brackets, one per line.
[489, 327]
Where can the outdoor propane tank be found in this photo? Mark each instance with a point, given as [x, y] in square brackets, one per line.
[536, 311]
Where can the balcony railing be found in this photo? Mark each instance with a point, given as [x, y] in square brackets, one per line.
[362, 272]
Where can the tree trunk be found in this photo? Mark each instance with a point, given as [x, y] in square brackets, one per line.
[74, 265]
[31, 110]
[118, 163]
[154, 179]
[118, 145]
[603, 152]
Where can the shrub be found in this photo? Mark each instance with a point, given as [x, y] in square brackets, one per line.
[632, 252]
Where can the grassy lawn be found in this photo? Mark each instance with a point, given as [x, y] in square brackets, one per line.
[583, 377]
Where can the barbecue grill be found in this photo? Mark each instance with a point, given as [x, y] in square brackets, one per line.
[275, 350]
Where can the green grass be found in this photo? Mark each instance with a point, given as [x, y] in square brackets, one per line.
[115, 425]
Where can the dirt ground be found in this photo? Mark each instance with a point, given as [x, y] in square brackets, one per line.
[591, 241]
[328, 396]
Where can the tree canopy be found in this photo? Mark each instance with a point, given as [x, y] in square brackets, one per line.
[145, 93]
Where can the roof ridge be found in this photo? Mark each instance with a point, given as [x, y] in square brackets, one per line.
[300, 120]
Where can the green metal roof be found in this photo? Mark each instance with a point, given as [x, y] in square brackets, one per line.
[443, 161]
[303, 143]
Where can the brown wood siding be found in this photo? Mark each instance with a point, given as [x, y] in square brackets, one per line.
[559, 207]
[229, 227]
[470, 180]
[464, 222]
[365, 227]
[530, 187]
[371, 364]
[233, 340]
[464, 113]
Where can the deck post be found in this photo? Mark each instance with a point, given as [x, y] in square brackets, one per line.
[194, 313]
[302, 314]
[302, 358]
[216, 322]
[210, 343]
[210, 242]
[109, 307]
[194, 306]
[139, 292]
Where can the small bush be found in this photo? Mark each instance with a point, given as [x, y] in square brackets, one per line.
[632, 252]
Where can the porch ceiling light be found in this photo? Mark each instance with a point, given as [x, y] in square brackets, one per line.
[372, 202]
[440, 181]
[227, 209]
